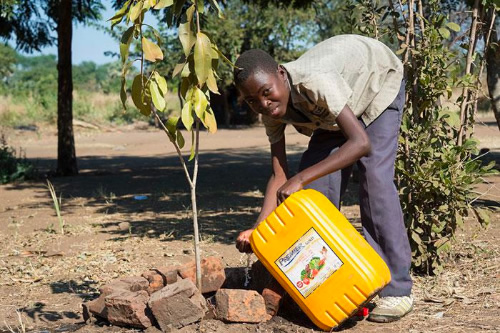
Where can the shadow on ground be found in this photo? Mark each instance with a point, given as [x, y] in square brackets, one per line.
[230, 188]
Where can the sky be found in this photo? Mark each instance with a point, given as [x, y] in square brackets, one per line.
[89, 43]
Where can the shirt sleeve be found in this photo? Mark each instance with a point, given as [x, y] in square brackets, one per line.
[328, 90]
[275, 130]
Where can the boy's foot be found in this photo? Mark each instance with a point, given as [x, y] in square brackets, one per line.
[391, 308]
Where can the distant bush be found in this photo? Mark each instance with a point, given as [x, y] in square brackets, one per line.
[12, 167]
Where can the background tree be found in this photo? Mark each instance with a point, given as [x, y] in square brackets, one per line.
[31, 25]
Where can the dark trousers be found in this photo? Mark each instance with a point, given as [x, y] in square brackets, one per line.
[381, 214]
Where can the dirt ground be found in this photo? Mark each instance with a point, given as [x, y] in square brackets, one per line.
[45, 276]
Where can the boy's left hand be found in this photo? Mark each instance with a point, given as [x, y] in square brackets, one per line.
[291, 186]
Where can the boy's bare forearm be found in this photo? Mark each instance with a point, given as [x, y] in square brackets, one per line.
[270, 198]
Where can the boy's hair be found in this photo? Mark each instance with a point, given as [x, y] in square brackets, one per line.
[252, 61]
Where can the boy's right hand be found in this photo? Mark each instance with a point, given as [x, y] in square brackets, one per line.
[243, 241]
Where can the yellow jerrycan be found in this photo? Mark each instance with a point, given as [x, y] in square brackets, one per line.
[319, 258]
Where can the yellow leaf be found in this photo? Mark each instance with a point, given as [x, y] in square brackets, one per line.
[187, 116]
[202, 57]
[152, 52]
[163, 4]
[135, 11]
[211, 83]
[162, 83]
[210, 122]
[158, 99]
[186, 34]
[200, 102]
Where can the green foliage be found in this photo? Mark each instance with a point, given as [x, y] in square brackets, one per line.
[29, 92]
[13, 168]
[7, 61]
[435, 175]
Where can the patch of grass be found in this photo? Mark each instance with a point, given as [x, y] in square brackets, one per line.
[12, 167]
[57, 205]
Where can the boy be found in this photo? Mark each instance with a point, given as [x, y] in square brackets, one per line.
[347, 93]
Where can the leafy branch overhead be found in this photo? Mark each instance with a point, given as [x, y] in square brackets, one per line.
[197, 65]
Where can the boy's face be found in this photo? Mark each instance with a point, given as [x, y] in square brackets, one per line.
[267, 93]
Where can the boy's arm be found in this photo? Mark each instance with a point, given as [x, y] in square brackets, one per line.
[356, 146]
[277, 179]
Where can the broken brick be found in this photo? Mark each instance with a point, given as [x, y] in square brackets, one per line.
[239, 305]
[177, 305]
[129, 308]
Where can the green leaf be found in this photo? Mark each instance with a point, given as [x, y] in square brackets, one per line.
[201, 6]
[125, 43]
[445, 33]
[187, 116]
[202, 57]
[140, 96]
[212, 83]
[135, 11]
[162, 83]
[186, 34]
[184, 87]
[163, 4]
[158, 99]
[152, 52]
[199, 101]
[172, 126]
[180, 139]
[191, 156]
[123, 92]
[118, 17]
[453, 26]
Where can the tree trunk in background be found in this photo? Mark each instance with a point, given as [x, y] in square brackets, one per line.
[66, 156]
[493, 71]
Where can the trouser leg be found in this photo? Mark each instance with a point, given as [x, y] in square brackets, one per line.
[381, 213]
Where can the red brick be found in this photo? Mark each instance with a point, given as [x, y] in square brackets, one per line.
[128, 308]
[177, 305]
[212, 273]
[239, 305]
[272, 294]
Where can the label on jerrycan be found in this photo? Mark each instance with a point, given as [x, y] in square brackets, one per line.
[308, 262]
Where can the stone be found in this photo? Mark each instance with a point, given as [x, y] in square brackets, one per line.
[177, 305]
[152, 329]
[129, 308]
[135, 283]
[124, 226]
[156, 281]
[212, 273]
[273, 294]
[169, 274]
[239, 305]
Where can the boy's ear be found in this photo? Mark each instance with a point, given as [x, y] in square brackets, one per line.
[282, 72]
